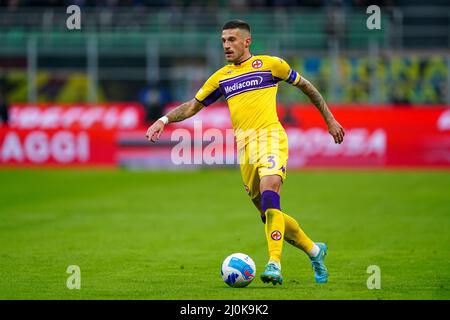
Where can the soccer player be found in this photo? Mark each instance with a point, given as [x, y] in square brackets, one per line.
[249, 84]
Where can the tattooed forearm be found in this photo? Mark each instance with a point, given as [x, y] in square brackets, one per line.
[179, 113]
[184, 111]
[316, 98]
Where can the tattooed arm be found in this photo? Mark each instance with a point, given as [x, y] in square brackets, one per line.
[180, 113]
[184, 111]
[334, 128]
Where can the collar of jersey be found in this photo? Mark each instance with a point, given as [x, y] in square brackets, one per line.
[242, 62]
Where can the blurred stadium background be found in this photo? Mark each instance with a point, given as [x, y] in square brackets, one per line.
[138, 58]
[84, 98]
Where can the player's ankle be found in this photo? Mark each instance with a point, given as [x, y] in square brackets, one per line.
[314, 252]
[275, 262]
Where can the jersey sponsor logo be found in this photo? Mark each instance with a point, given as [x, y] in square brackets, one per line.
[250, 82]
[276, 235]
[247, 82]
[257, 64]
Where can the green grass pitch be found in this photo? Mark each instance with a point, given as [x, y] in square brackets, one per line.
[163, 235]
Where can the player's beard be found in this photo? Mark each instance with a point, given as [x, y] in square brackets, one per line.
[237, 59]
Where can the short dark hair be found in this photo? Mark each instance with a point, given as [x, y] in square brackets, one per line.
[233, 24]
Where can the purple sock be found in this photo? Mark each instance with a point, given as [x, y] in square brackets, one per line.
[269, 199]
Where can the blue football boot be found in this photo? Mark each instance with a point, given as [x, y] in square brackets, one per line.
[272, 274]
[320, 271]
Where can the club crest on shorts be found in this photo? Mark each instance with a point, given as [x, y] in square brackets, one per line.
[257, 64]
[247, 189]
[276, 235]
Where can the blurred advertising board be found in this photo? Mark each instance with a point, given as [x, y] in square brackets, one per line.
[114, 135]
[110, 116]
[376, 137]
[57, 147]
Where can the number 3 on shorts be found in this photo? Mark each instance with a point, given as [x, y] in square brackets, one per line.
[272, 161]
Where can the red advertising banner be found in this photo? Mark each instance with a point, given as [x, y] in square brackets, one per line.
[110, 116]
[376, 137]
[57, 147]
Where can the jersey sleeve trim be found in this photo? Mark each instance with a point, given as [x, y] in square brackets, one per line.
[277, 79]
[199, 101]
[293, 77]
[211, 98]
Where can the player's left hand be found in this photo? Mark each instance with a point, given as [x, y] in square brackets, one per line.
[337, 131]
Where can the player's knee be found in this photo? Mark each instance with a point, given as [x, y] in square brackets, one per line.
[272, 183]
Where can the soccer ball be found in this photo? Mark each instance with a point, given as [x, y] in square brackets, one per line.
[238, 270]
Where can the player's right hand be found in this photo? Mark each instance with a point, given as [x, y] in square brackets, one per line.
[154, 131]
